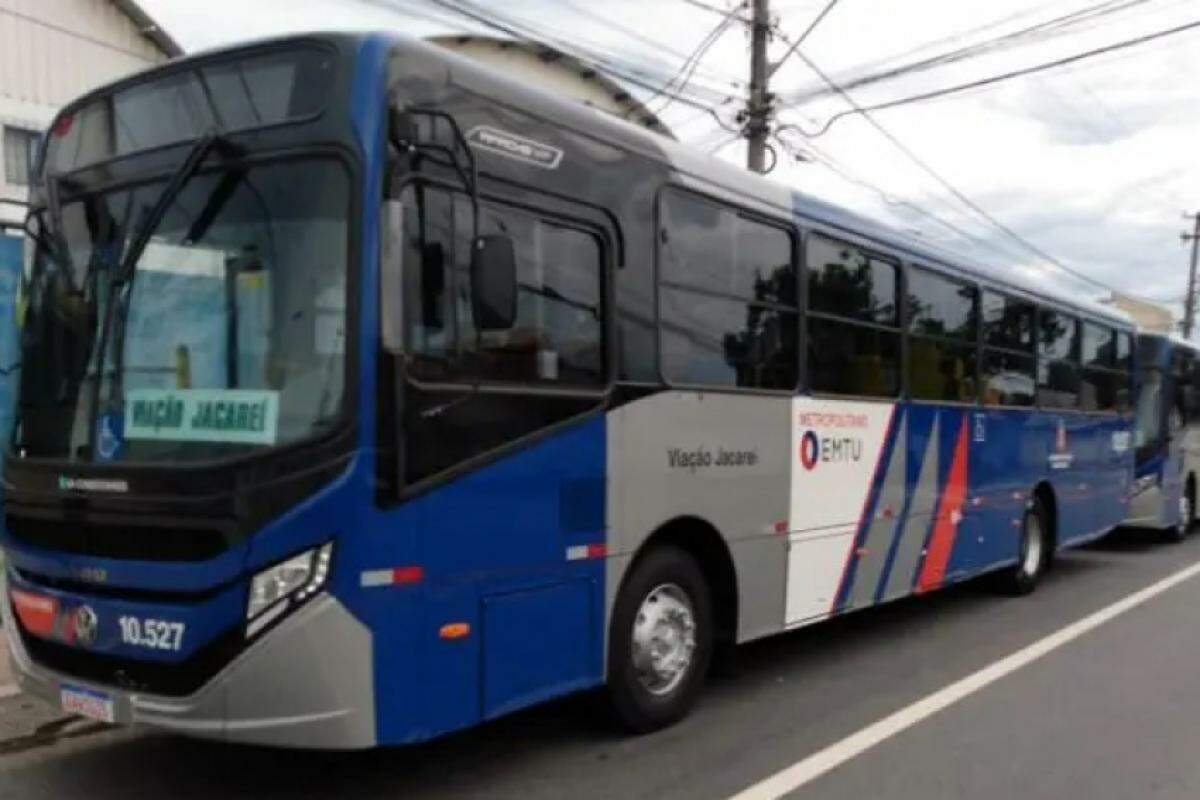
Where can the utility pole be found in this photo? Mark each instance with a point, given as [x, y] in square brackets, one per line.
[1189, 302]
[758, 109]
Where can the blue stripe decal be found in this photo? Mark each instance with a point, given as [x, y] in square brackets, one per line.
[920, 429]
[864, 524]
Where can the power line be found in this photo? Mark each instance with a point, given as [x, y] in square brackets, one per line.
[569, 42]
[953, 38]
[637, 72]
[513, 29]
[723, 143]
[679, 93]
[830, 163]
[963, 198]
[708, 7]
[1056, 26]
[800, 40]
[962, 87]
[688, 68]
[607, 21]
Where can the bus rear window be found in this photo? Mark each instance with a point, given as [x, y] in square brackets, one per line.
[253, 91]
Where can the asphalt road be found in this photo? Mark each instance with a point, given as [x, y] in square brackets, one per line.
[1112, 714]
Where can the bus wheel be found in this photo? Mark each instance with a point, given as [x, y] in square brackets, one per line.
[1023, 577]
[661, 640]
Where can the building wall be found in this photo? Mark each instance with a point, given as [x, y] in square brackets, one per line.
[54, 50]
[1149, 317]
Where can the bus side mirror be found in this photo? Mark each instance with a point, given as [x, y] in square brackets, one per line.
[494, 283]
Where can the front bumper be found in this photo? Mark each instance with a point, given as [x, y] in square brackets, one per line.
[306, 683]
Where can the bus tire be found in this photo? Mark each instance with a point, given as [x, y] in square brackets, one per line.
[1022, 578]
[661, 640]
[1186, 513]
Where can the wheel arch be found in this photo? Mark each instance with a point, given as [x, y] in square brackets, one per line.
[703, 542]
[1043, 493]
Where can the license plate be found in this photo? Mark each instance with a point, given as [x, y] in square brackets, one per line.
[86, 703]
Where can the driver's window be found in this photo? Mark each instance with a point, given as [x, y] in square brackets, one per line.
[558, 334]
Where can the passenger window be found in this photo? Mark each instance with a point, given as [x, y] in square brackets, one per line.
[1098, 390]
[1097, 346]
[1104, 385]
[1008, 374]
[1124, 351]
[941, 347]
[558, 336]
[938, 306]
[1007, 322]
[847, 282]
[728, 311]
[1058, 370]
[844, 358]
[1008, 378]
[853, 322]
[1057, 337]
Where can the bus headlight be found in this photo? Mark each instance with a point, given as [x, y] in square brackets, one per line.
[294, 580]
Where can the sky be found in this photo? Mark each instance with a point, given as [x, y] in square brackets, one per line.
[1093, 163]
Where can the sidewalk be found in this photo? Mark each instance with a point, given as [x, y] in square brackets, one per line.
[6, 676]
[25, 721]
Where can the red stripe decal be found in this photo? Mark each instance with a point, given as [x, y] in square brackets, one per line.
[949, 514]
[407, 575]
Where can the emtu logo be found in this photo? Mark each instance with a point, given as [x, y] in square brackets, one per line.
[810, 449]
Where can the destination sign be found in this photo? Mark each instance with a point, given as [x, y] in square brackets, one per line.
[240, 416]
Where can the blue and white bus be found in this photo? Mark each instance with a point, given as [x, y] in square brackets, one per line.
[368, 395]
[1166, 435]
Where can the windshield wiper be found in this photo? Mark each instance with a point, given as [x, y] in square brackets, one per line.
[125, 271]
[170, 192]
[550, 293]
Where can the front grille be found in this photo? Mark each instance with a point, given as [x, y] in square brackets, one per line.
[168, 680]
[123, 541]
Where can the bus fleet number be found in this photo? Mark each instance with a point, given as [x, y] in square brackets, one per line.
[155, 634]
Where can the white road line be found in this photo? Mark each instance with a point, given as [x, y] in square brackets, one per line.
[814, 766]
[9, 690]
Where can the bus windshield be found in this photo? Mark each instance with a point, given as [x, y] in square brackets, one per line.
[227, 336]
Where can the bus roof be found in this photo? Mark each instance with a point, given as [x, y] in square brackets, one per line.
[975, 264]
[722, 176]
[713, 173]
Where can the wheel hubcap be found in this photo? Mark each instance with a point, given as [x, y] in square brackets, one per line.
[1032, 561]
[1185, 514]
[664, 639]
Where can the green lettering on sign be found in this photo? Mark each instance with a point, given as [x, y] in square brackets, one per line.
[240, 416]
